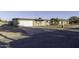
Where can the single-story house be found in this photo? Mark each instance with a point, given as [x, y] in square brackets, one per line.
[58, 21]
[26, 22]
[63, 22]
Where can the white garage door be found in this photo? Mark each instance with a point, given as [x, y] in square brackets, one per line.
[25, 23]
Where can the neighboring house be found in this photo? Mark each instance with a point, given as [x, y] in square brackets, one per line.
[63, 22]
[25, 22]
[58, 21]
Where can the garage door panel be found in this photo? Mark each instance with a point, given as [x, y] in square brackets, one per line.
[26, 23]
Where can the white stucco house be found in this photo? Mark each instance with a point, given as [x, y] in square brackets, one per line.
[27, 22]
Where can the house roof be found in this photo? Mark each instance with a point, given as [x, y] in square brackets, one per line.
[28, 19]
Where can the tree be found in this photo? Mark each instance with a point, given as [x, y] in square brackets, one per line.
[39, 18]
[15, 22]
[74, 20]
[54, 21]
[0, 19]
[10, 23]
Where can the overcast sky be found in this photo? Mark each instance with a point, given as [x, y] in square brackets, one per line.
[8, 15]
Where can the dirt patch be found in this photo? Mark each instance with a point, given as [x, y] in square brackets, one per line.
[10, 36]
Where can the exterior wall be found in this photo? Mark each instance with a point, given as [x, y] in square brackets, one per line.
[36, 23]
[41, 23]
[60, 22]
[45, 23]
[63, 22]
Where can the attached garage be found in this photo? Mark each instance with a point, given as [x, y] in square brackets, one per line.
[25, 23]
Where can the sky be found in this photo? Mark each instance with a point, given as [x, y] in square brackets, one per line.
[8, 15]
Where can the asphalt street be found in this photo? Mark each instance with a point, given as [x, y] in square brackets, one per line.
[49, 39]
